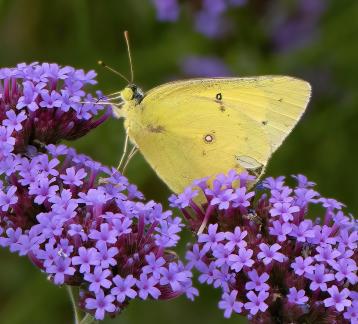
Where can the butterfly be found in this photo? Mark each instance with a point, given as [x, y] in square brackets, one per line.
[196, 128]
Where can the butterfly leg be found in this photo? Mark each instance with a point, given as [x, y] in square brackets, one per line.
[133, 152]
[125, 149]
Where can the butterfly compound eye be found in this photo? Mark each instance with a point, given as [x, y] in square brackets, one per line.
[127, 94]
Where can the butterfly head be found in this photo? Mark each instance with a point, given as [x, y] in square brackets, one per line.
[132, 92]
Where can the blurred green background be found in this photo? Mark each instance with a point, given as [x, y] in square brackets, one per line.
[266, 37]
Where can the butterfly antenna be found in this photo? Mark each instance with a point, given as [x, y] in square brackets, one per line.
[101, 63]
[126, 36]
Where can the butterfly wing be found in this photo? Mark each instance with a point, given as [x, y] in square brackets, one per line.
[195, 128]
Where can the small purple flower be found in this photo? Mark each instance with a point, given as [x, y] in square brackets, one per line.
[303, 231]
[94, 197]
[297, 297]
[281, 196]
[223, 277]
[106, 255]
[224, 199]
[101, 304]
[322, 235]
[14, 121]
[229, 304]
[242, 197]
[183, 200]
[122, 226]
[105, 234]
[274, 183]
[195, 257]
[352, 312]
[222, 253]
[269, 253]
[303, 265]
[257, 302]
[46, 166]
[48, 255]
[30, 93]
[212, 238]
[154, 265]
[123, 288]
[326, 254]
[8, 199]
[174, 276]
[338, 299]
[257, 282]
[147, 287]
[43, 190]
[284, 210]
[61, 268]
[77, 229]
[54, 71]
[346, 270]
[242, 259]
[207, 274]
[348, 240]
[98, 279]
[331, 204]
[319, 278]
[73, 177]
[86, 258]
[281, 230]
[303, 182]
[50, 99]
[236, 239]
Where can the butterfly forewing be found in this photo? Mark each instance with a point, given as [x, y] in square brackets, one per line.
[196, 128]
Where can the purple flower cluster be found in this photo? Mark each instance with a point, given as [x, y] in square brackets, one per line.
[45, 103]
[271, 261]
[84, 225]
[80, 222]
[210, 18]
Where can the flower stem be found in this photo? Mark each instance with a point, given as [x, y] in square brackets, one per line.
[76, 314]
[88, 318]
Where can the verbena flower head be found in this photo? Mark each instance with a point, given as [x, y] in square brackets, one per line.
[45, 103]
[270, 260]
[84, 225]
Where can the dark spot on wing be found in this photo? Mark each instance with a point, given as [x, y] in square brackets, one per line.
[155, 128]
[218, 99]
[280, 100]
[203, 153]
[264, 122]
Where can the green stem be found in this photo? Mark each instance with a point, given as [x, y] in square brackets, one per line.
[76, 312]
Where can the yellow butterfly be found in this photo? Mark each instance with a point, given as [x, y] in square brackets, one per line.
[191, 129]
